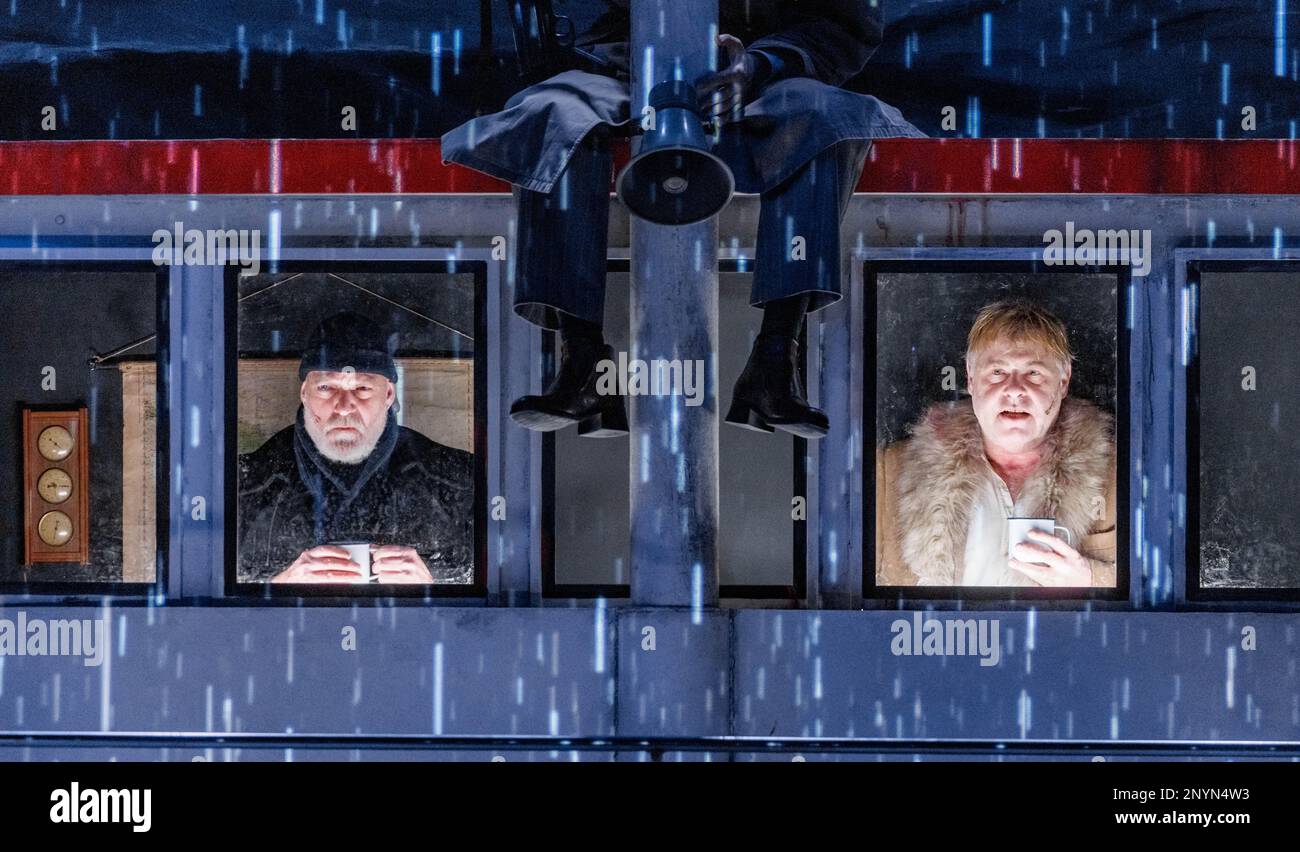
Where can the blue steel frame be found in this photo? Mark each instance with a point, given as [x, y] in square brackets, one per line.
[116, 259]
[1159, 679]
[1188, 265]
[1160, 313]
[478, 588]
[192, 384]
[996, 260]
[729, 260]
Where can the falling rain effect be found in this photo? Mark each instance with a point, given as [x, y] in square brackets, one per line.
[633, 541]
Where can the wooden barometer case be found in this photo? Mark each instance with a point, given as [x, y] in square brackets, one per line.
[56, 478]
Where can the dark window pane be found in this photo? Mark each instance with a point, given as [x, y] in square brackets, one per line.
[1249, 445]
[66, 317]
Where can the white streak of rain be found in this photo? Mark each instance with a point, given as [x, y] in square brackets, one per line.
[106, 680]
[437, 688]
[599, 638]
[697, 593]
[553, 716]
[1230, 681]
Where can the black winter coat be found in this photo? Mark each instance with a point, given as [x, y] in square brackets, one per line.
[828, 40]
[409, 491]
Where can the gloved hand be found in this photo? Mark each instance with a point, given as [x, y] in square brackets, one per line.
[724, 93]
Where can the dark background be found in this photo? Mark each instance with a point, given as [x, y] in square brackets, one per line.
[50, 307]
[923, 319]
[1249, 444]
[285, 68]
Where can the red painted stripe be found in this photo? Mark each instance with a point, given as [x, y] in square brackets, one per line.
[1069, 166]
[362, 166]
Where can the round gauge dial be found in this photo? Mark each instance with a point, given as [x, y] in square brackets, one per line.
[54, 486]
[54, 443]
[54, 528]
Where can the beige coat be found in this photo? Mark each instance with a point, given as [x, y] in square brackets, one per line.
[932, 478]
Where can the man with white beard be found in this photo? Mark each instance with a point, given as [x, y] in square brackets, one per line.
[346, 472]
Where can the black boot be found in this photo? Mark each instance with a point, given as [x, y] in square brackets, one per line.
[572, 397]
[769, 393]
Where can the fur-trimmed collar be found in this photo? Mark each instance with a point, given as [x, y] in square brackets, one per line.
[943, 464]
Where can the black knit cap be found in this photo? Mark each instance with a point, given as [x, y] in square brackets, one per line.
[350, 340]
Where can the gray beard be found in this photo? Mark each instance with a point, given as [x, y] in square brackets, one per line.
[353, 452]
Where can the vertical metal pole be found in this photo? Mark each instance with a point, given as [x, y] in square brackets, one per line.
[674, 316]
[196, 444]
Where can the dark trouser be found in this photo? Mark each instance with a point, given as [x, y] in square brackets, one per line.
[562, 241]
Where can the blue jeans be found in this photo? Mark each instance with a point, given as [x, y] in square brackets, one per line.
[563, 236]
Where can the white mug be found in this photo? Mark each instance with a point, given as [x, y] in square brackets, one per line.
[358, 552]
[1018, 531]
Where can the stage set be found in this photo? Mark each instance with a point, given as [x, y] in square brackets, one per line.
[706, 567]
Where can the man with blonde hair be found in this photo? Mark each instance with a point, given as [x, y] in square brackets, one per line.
[1018, 447]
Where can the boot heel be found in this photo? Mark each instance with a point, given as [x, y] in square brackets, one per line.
[609, 422]
[742, 415]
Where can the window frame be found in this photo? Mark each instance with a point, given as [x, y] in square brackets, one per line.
[1190, 265]
[290, 261]
[993, 597]
[83, 256]
[794, 593]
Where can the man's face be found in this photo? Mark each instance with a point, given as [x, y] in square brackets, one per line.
[1016, 389]
[345, 413]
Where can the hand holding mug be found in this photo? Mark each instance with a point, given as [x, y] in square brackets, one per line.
[1049, 561]
[324, 563]
[395, 563]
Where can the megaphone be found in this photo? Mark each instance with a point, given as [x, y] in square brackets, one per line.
[675, 179]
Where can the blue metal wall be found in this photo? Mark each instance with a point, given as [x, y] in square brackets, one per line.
[1153, 668]
[1086, 677]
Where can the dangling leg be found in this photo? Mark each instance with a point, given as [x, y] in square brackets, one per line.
[560, 284]
[797, 271]
[769, 393]
[784, 317]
